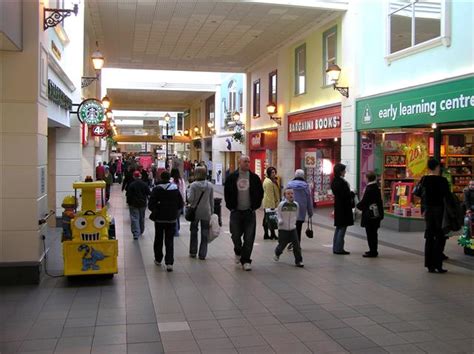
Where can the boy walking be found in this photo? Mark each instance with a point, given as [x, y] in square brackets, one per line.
[287, 213]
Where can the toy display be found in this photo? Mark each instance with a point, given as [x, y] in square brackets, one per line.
[91, 248]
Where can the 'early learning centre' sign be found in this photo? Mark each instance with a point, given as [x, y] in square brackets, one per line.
[451, 101]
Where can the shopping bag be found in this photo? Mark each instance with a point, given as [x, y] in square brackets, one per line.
[214, 228]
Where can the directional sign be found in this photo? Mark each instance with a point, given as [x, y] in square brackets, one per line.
[99, 130]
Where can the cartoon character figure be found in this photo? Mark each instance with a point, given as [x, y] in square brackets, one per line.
[69, 204]
[90, 257]
[90, 226]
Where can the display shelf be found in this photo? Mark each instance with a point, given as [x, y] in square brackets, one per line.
[459, 155]
[395, 165]
[458, 165]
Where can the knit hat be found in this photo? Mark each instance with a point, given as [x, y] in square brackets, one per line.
[137, 174]
[299, 173]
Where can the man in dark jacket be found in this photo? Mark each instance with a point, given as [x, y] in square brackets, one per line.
[371, 206]
[165, 203]
[343, 204]
[243, 193]
[137, 196]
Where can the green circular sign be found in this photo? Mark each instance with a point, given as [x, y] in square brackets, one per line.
[91, 111]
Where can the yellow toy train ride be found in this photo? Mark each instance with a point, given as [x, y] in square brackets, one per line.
[92, 249]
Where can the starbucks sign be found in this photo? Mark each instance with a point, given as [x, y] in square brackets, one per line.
[91, 111]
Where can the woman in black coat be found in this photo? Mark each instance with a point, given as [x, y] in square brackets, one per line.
[343, 204]
[371, 206]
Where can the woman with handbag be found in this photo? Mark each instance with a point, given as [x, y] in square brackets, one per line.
[271, 199]
[343, 204]
[305, 201]
[201, 199]
[371, 206]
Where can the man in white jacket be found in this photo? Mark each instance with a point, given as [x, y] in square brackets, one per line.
[287, 213]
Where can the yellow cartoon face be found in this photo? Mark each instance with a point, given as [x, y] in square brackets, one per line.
[90, 226]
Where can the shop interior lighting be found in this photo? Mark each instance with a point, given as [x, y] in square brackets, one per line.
[327, 166]
[98, 63]
[271, 110]
[333, 72]
[434, 126]
[336, 139]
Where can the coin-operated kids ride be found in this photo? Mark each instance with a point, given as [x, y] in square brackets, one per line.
[92, 249]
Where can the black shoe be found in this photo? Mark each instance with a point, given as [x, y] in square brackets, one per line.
[431, 270]
[202, 258]
[192, 255]
[444, 257]
[266, 237]
[369, 255]
[274, 237]
[342, 252]
[441, 270]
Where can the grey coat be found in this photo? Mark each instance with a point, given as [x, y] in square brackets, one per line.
[206, 205]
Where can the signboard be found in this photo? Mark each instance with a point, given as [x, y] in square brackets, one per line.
[451, 101]
[256, 140]
[315, 124]
[258, 167]
[91, 111]
[99, 130]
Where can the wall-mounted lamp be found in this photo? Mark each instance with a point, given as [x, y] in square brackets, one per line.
[57, 16]
[236, 117]
[271, 110]
[106, 102]
[98, 63]
[333, 72]
[210, 124]
[167, 117]
[197, 131]
[186, 132]
[109, 113]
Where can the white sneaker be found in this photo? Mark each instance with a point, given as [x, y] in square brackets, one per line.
[276, 258]
[237, 259]
[169, 267]
[157, 263]
[247, 267]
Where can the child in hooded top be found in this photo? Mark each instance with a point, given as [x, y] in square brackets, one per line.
[287, 213]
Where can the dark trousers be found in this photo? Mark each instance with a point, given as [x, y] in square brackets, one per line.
[434, 237]
[372, 238]
[243, 223]
[284, 238]
[166, 231]
[266, 228]
[299, 227]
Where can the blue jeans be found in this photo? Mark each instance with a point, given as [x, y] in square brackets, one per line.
[243, 223]
[193, 244]
[137, 219]
[338, 241]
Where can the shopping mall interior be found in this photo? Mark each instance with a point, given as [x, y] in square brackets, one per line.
[93, 91]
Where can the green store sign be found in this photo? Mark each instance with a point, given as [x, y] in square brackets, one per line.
[91, 111]
[451, 101]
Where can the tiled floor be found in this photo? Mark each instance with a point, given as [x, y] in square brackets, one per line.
[336, 304]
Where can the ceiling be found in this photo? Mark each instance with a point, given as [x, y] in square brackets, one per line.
[215, 35]
[154, 100]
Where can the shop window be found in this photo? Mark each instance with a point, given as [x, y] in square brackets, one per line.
[416, 24]
[329, 51]
[256, 98]
[300, 70]
[272, 88]
[232, 96]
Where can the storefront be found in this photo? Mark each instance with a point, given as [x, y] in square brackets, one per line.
[317, 135]
[263, 150]
[400, 131]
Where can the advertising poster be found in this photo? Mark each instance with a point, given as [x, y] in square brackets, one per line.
[310, 159]
[417, 155]
[219, 174]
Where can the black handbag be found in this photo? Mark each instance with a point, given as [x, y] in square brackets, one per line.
[190, 212]
[309, 229]
[419, 189]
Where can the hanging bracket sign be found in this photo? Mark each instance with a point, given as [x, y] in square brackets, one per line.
[91, 111]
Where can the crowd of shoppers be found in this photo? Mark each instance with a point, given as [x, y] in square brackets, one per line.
[244, 193]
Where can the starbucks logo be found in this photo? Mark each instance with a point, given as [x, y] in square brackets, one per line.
[91, 111]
